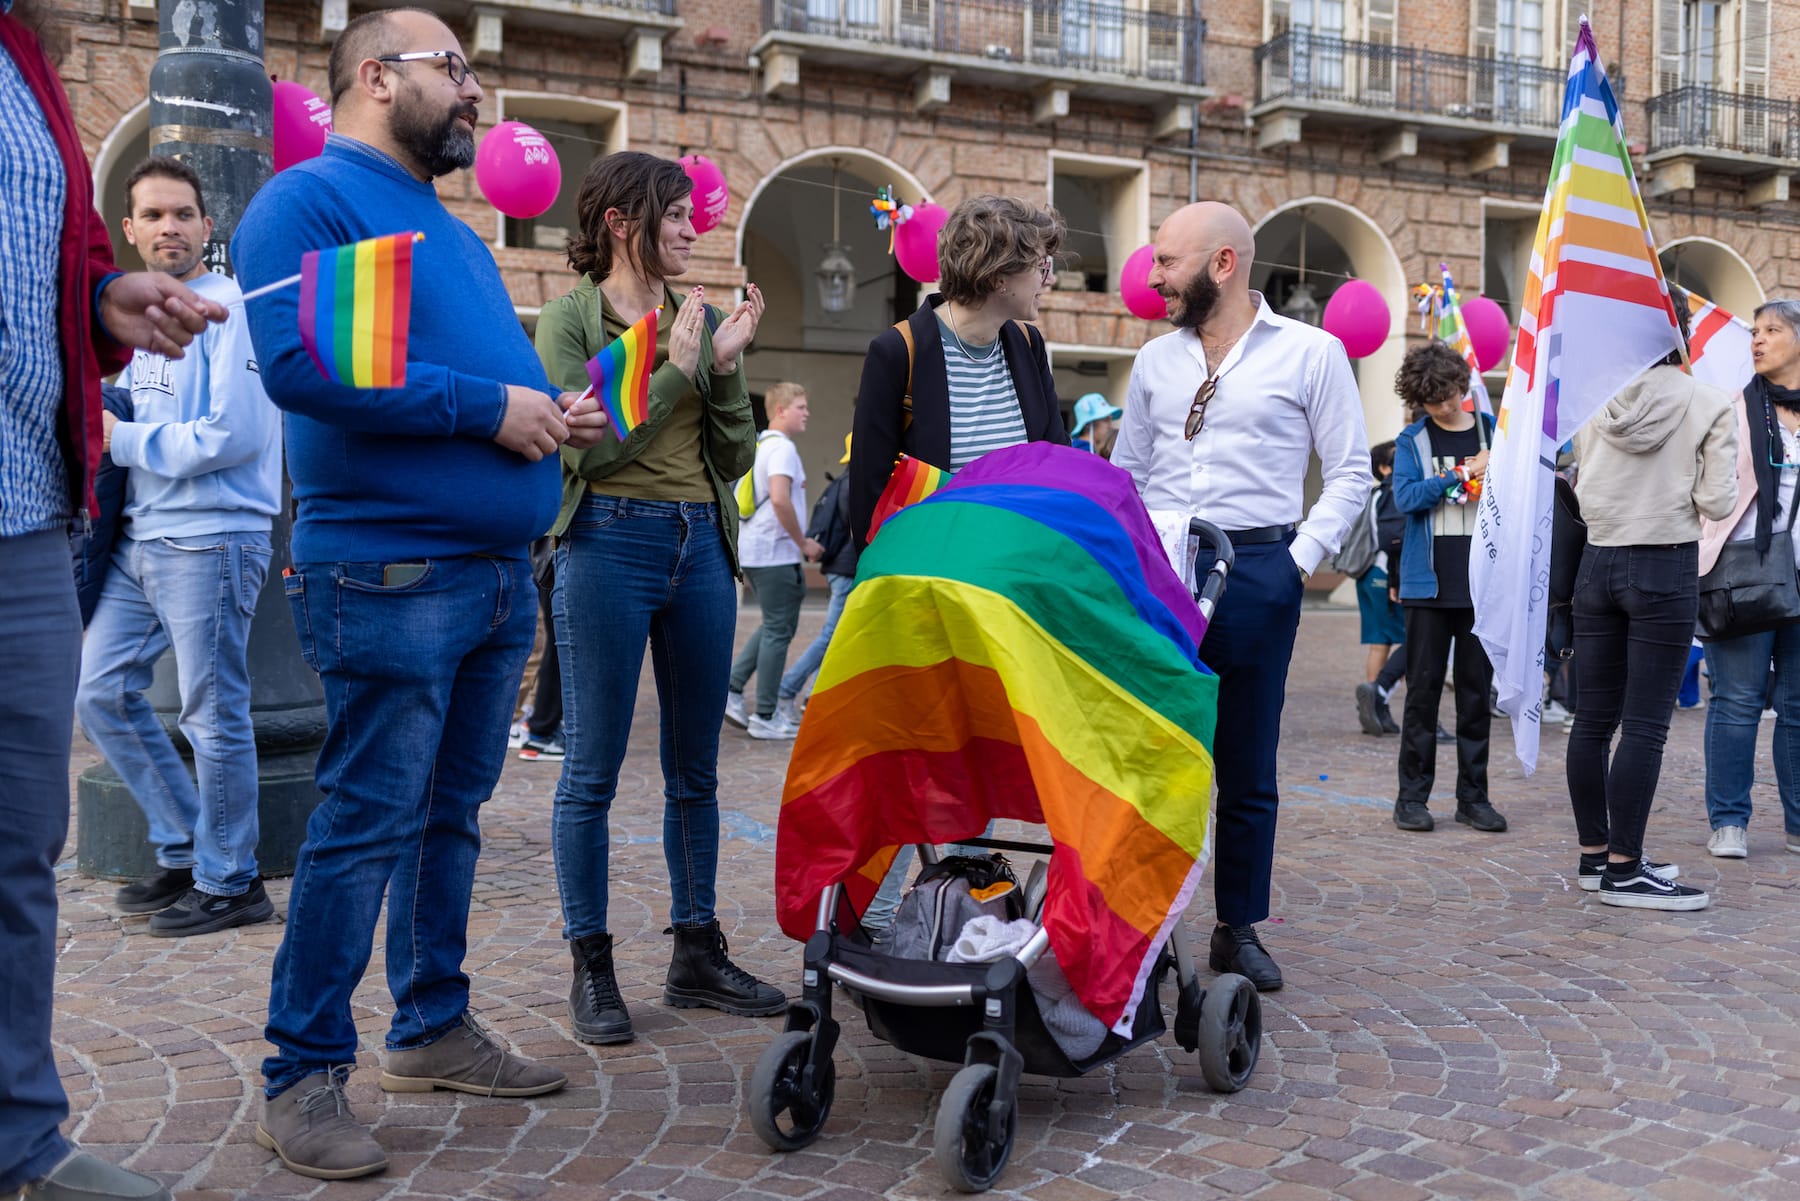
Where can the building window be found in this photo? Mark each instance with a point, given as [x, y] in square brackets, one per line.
[579, 130]
[1105, 203]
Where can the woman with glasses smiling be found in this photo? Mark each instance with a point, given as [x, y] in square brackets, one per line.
[964, 374]
[1768, 465]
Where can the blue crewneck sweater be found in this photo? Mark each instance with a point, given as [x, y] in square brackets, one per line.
[395, 474]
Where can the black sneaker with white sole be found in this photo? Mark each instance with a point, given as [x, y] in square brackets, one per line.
[203, 913]
[1592, 869]
[1640, 888]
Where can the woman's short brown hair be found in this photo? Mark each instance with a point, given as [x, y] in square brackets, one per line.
[1428, 372]
[990, 237]
[641, 186]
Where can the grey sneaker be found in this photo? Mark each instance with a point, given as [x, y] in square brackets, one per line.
[771, 729]
[787, 709]
[1729, 842]
[84, 1177]
[311, 1128]
[468, 1060]
[734, 709]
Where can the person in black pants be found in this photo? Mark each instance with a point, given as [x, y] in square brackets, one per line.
[1439, 461]
[543, 729]
[1660, 456]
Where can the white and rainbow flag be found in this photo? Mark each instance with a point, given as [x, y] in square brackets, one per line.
[1718, 346]
[1596, 313]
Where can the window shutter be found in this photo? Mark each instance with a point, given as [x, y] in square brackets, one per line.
[1558, 56]
[1280, 18]
[1482, 33]
[1668, 45]
[1378, 31]
[1753, 47]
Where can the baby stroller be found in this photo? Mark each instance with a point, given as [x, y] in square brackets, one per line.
[983, 1015]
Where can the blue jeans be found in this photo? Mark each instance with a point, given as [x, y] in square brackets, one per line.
[40, 651]
[796, 677]
[631, 572]
[1740, 678]
[198, 595]
[419, 680]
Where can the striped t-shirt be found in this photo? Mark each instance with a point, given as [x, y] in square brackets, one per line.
[984, 405]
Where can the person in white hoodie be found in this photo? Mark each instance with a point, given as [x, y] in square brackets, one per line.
[1659, 457]
[203, 457]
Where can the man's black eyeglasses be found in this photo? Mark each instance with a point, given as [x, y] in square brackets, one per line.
[455, 65]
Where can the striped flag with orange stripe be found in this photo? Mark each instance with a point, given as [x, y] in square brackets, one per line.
[1596, 312]
[1718, 345]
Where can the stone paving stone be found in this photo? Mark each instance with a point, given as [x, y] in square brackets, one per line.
[1460, 1021]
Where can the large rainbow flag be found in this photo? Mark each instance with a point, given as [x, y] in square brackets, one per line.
[1017, 646]
[355, 303]
[620, 374]
[1596, 313]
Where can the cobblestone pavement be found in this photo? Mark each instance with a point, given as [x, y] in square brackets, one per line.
[1459, 1020]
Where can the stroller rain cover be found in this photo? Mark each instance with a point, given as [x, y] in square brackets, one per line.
[1016, 646]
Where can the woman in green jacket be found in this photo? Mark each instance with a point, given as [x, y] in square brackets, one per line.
[646, 553]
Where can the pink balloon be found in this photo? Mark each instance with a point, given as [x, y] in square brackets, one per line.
[1134, 286]
[916, 242]
[711, 196]
[1358, 317]
[1489, 331]
[301, 122]
[518, 170]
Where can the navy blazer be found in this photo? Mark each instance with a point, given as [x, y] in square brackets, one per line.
[880, 438]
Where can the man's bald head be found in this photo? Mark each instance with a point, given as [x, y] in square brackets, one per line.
[1207, 227]
[1202, 265]
[384, 31]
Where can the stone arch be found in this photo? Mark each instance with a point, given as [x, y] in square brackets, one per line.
[851, 157]
[1371, 256]
[126, 144]
[1714, 270]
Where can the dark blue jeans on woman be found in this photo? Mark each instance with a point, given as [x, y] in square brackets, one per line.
[631, 572]
[419, 680]
[1739, 668]
[1634, 621]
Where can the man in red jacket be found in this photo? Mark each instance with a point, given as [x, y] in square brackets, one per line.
[67, 317]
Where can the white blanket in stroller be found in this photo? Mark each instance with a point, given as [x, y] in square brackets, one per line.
[986, 938]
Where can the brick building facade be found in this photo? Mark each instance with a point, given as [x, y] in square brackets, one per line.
[1369, 138]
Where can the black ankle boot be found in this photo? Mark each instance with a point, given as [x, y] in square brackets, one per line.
[701, 974]
[595, 1008]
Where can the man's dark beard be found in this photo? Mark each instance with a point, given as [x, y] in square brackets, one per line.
[440, 144]
[41, 19]
[1198, 300]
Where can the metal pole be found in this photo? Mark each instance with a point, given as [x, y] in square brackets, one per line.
[210, 107]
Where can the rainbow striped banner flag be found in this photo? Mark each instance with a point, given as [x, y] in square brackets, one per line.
[913, 480]
[1455, 333]
[1017, 646]
[620, 374]
[355, 302]
[1596, 313]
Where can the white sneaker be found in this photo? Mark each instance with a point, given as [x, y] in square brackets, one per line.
[770, 729]
[1555, 714]
[787, 709]
[734, 709]
[515, 737]
[1727, 842]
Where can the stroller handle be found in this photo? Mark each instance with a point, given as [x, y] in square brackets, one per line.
[1213, 587]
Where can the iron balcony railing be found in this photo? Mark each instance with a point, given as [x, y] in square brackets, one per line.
[1728, 122]
[1300, 65]
[1141, 39]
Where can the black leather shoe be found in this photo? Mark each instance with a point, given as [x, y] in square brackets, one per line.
[596, 1010]
[1482, 816]
[1238, 949]
[1412, 815]
[701, 973]
[155, 893]
[1368, 714]
[1388, 724]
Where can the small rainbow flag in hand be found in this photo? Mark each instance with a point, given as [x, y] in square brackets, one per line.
[913, 480]
[621, 375]
[355, 302]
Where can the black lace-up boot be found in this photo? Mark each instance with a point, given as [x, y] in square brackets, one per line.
[702, 974]
[596, 1009]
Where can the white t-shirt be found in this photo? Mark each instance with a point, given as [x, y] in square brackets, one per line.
[762, 542]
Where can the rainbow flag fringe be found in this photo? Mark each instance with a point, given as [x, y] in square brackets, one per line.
[621, 375]
[1017, 646]
[355, 303]
[913, 480]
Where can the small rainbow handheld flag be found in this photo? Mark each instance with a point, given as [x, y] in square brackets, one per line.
[355, 302]
[621, 375]
[913, 480]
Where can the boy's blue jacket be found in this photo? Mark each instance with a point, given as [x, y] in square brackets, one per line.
[1416, 494]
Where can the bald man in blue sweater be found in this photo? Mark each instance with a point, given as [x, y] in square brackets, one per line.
[410, 588]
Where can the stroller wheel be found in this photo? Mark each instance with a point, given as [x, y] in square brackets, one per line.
[785, 1113]
[1230, 1033]
[969, 1153]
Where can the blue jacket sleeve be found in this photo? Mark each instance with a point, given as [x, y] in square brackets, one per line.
[1415, 491]
[236, 428]
[288, 218]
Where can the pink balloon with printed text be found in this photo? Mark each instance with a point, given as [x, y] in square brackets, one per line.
[1358, 317]
[1489, 331]
[301, 122]
[711, 196]
[916, 242]
[517, 170]
[1134, 286]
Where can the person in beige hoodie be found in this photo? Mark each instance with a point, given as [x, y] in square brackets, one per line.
[1660, 456]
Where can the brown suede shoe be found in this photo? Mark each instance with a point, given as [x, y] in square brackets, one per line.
[311, 1128]
[468, 1060]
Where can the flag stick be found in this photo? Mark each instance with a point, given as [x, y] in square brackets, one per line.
[279, 284]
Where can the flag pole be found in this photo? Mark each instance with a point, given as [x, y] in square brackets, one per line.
[279, 284]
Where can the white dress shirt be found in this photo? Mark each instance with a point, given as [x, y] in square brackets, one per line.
[1284, 391]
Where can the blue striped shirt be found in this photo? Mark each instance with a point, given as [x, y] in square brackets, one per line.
[34, 486]
[984, 404]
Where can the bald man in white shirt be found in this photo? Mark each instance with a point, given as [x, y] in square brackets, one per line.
[1220, 419]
